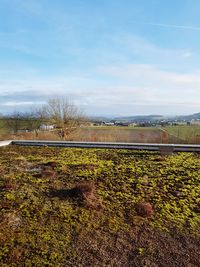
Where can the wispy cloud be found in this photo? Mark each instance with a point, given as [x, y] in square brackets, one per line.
[183, 27]
[24, 103]
[141, 49]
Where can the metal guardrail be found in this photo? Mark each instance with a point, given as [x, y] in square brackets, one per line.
[165, 148]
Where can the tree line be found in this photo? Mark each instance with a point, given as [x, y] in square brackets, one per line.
[60, 112]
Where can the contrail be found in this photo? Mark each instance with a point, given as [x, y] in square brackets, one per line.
[173, 26]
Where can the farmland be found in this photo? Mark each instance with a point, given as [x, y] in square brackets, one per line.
[85, 207]
[168, 134]
[187, 133]
[100, 134]
[122, 134]
[131, 134]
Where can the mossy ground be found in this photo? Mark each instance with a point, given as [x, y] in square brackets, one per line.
[41, 225]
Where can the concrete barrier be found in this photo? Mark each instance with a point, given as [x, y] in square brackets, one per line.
[162, 148]
[169, 148]
[5, 143]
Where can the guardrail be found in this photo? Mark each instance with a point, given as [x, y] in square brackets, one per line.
[163, 148]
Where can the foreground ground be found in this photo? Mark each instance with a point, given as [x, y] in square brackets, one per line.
[90, 207]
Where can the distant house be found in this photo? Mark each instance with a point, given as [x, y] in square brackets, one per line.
[45, 127]
[109, 123]
[195, 122]
[120, 123]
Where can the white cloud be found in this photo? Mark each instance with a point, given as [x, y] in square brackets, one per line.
[135, 88]
[114, 87]
[157, 86]
[153, 77]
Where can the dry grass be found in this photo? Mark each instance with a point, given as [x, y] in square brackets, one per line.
[120, 135]
[144, 209]
[112, 134]
[101, 135]
[87, 193]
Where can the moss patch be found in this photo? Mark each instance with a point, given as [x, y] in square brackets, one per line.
[43, 224]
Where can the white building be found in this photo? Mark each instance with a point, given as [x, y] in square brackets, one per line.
[45, 127]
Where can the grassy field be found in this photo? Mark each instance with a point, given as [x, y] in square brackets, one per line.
[185, 132]
[121, 128]
[92, 207]
[190, 133]
[3, 130]
[169, 134]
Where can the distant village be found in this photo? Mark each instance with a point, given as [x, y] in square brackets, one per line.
[146, 123]
[131, 123]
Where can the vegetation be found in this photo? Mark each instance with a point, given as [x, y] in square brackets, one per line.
[21, 121]
[92, 207]
[172, 134]
[187, 133]
[3, 129]
[64, 114]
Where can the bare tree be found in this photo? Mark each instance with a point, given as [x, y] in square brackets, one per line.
[33, 120]
[64, 114]
[23, 121]
[13, 122]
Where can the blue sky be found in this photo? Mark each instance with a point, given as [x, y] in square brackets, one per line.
[111, 57]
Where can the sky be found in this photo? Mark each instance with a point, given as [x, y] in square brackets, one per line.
[109, 57]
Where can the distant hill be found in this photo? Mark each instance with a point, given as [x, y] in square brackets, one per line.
[141, 118]
[100, 118]
[195, 116]
[146, 118]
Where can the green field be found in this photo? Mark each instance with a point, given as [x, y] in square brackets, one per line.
[97, 207]
[121, 128]
[184, 132]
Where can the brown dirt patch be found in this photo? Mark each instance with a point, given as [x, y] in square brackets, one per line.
[144, 209]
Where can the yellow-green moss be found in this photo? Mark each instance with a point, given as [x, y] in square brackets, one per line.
[50, 224]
